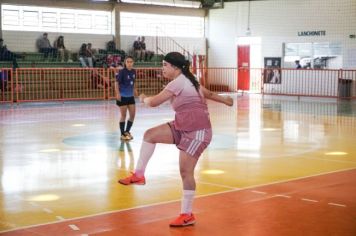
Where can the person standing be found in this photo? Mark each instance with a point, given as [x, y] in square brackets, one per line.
[190, 131]
[125, 92]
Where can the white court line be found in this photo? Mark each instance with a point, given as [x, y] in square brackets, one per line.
[282, 195]
[34, 204]
[218, 185]
[336, 204]
[258, 192]
[331, 160]
[73, 227]
[309, 200]
[200, 196]
[47, 210]
[60, 218]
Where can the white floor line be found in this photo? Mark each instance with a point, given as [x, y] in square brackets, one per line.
[74, 227]
[177, 200]
[218, 185]
[207, 183]
[309, 200]
[282, 195]
[47, 210]
[336, 204]
[60, 218]
[258, 192]
[331, 160]
[33, 204]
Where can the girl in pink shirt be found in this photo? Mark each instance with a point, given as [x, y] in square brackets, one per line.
[190, 131]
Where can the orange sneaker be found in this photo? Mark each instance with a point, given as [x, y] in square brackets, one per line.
[133, 179]
[183, 220]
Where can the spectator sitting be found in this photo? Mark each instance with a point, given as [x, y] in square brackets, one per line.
[7, 55]
[298, 65]
[85, 57]
[91, 52]
[147, 53]
[44, 46]
[111, 46]
[3, 80]
[139, 54]
[63, 52]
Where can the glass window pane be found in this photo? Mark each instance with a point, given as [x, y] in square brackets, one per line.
[163, 25]
[10, 17]
[84, 21]
[49, 19]
[30, 18]
[67, 20]
[101, 22]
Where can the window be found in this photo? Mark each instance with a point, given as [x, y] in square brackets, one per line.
[46, 19]
[319, 55]
[10, 17]
[49, 19]
[161, 25]
[174, 3]
[30, 18]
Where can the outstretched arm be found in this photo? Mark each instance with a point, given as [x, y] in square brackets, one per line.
[156, 100]
[216, 97]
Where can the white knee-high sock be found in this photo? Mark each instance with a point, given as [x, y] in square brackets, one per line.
[146, 152]
[187, 201]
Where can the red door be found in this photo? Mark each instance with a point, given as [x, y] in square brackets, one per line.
[243, 65]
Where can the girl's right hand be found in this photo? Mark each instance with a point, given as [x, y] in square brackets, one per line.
[229, 101]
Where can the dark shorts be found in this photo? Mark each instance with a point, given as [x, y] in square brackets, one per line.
[125, 101]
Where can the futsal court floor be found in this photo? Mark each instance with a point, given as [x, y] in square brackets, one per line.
[276, 166]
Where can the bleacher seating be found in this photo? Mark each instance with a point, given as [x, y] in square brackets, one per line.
[37, 60]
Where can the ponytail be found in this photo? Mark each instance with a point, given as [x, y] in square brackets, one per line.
[190, 76]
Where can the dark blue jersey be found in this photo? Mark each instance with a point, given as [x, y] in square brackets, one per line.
[126, 80]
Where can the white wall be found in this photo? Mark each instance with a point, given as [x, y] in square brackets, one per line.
[279, 21]
[26, 41]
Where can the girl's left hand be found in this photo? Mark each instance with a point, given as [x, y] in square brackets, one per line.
[142, 97]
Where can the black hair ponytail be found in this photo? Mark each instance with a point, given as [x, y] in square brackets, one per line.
[190, 76]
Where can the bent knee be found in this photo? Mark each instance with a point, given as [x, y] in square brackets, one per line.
[149, 136]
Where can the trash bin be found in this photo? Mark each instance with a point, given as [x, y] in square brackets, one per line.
[345, 88]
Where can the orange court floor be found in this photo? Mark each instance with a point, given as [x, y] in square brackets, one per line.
[276, 166]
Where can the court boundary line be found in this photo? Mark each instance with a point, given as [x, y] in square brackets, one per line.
[177, 200]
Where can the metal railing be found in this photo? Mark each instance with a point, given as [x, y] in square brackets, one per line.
[165, 44]
[61, 84]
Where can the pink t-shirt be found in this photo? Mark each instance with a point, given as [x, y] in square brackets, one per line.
[190, 106]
